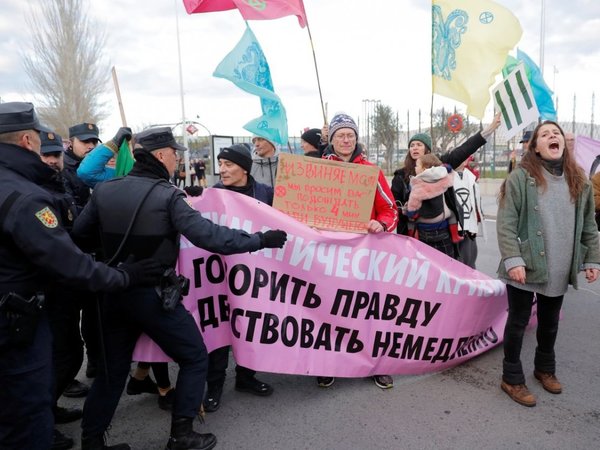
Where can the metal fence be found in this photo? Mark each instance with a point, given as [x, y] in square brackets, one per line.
[492, 159]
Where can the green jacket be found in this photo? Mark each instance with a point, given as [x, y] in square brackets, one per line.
[520, 234]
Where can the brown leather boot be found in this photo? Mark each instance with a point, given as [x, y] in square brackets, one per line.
[519, 393]
[549, 381]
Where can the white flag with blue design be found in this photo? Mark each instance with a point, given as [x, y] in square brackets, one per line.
[470, 42]
[246, 66]
[514, 99]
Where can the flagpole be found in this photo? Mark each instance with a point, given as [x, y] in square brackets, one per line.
[542, 35]
[186, 153]
[118, 93]
[432, 89]
[312, 46]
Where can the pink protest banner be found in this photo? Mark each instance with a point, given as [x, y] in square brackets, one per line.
[586, 152]
[334, 303]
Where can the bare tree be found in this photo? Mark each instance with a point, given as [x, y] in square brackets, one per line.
[66, 64]
[385, 126]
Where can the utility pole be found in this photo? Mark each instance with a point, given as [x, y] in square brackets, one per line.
[542, 35]
[186, 153]
[592, 121]
[574, 103]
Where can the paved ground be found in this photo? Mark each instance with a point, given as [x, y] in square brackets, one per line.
[461, 408]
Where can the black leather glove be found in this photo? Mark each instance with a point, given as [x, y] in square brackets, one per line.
[123, 134]
[145, 272]
[272, 238]
[193, 191]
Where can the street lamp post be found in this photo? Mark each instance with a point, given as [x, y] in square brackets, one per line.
[369, 106]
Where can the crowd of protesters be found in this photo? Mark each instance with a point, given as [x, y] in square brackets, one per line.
[434, 199]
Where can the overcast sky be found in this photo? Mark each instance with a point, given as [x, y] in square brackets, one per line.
[376, 49]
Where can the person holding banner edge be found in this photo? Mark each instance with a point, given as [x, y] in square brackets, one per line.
[344, 146]
[542, 251]
[114, 207]
[36, 248]
[235, 165]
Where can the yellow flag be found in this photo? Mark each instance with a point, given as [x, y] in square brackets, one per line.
[470, 42]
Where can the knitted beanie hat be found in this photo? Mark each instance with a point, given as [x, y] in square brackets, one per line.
[239, 154]
[422, 137]
[312, 136]
[341, 120]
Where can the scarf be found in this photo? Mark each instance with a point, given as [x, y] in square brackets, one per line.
[248, 189]
[146, 165]
[554, 166]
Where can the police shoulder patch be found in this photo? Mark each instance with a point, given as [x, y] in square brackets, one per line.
[47, 217]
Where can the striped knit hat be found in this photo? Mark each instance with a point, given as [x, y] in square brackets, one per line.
[341, 120]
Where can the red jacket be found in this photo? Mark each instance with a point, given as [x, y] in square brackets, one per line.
[384, 206]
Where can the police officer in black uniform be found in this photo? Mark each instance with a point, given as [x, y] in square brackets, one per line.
[83, 138]
[34, 245]
[163, 214]
[63, 309]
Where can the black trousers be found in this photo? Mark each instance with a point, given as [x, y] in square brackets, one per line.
[160, 371]
[67, 346]
[520, 303]
[125, 316]
[218, 360]
[440, 240]
[26, 420]
[90, 330]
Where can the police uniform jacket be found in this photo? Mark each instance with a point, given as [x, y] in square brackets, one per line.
[163, 215]
[64, 202]
[74, 184]
[32, 242]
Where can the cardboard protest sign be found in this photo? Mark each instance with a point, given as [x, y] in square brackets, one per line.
[324, 194]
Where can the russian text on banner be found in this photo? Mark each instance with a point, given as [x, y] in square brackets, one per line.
[334, 303]
[470, 42]
[246, 66]
[514, 99]
[329, 195]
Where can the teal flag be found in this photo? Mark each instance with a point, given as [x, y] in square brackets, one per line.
[246, 66]
[541, 91]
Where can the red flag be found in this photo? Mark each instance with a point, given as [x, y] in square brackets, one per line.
[251, 9]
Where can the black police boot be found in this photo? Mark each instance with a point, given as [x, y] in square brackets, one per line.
[60, 441]
[76, 389]
[183, 436]
[99, 443]
[67, 415]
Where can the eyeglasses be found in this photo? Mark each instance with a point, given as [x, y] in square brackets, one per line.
[344, 136]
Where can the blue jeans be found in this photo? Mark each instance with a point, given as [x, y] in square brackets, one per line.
[520, 303]
[125, 316]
